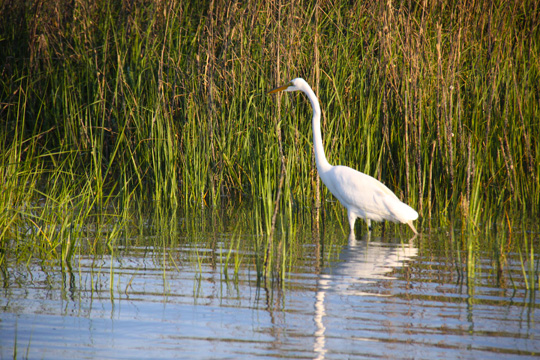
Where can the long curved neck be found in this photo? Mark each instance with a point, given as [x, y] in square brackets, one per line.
[320, 158]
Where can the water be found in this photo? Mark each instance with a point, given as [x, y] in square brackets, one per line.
[384, 297]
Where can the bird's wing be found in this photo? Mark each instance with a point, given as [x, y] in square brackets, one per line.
[367, 195]
[352, 184]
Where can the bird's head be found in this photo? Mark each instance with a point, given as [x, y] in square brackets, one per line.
[293, 85]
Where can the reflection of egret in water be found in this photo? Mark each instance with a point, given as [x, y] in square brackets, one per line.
[361, 263]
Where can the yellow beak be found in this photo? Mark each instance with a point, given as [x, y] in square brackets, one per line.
[278, 89]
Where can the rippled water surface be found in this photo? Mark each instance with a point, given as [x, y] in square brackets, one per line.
[366, 298]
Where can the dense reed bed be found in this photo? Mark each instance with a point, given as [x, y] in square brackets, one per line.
[109, 103]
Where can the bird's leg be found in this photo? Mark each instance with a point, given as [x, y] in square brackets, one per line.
[352, 219]
[352, 239]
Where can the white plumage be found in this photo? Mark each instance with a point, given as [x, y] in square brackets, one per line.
[362, 195]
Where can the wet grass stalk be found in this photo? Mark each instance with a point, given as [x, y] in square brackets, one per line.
[529, 266]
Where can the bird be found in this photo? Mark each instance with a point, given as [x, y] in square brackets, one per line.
[362, 195]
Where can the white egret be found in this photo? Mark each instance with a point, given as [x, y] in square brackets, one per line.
[364, 196]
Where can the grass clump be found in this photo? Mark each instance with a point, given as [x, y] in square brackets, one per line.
[164, 101]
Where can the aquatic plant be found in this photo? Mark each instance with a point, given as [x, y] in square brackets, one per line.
[108, 104]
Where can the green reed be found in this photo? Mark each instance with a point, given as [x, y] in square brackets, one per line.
[109, 104]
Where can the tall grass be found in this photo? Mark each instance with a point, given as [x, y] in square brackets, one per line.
[165, 101]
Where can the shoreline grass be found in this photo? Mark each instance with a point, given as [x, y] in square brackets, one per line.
[165, 102]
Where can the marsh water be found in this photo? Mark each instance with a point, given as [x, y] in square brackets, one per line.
[203, 296]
